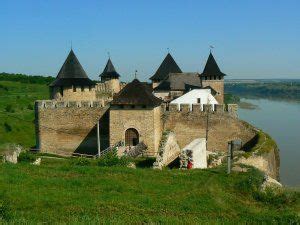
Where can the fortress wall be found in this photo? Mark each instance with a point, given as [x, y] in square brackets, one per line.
[189, 123]
[146, 121]
[85, 94]
[67, 127]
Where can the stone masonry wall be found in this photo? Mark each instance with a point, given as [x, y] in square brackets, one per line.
[145, 121]
[190, 123]
[68, 127]
[218, 86]
[85, 94]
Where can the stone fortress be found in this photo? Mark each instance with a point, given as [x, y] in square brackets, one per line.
[85, 117]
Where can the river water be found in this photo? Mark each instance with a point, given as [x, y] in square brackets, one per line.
[281, 120]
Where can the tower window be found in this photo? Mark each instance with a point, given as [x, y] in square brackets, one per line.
[61, 91]
[82, 88]
[215, 77]
[74, 88]
[205, 77]
[133, 106]
[219, 77]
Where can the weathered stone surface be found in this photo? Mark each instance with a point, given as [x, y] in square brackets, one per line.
[12, 154]
[239, 169]
[169, 150]
[267, 162]
[37, 162]
[269, 182]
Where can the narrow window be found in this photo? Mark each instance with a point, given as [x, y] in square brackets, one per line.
[82, 88]
[198, 100]
[74, 88]
[133, 106]
[144, 106]
[215, 77]
[61, 91]
[205, 77]
[219, 77]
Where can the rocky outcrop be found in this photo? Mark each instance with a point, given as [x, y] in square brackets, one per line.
[169, 150]
[264, 155]
[12, 154]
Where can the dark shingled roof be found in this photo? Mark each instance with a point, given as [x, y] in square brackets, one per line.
[212, 68]
[136, 93]
[71, 73]
[167, 66]
[180, 82]
[109, 71]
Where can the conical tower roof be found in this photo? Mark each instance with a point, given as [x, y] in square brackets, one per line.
[109, 71]
[71, 73]
[211, 68]
[167, 66]
[136, 93]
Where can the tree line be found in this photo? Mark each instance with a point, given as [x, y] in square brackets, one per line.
[23, 78]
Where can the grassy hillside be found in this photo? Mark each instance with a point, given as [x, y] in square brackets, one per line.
[58, 191]
[17, 111]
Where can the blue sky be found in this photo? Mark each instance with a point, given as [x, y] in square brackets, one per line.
[252, 39]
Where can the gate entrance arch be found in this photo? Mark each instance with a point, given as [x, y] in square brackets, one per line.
[131, 137]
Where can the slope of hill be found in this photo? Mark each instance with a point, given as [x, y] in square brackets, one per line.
[57, 191]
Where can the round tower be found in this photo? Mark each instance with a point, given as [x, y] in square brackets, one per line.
[213, 78]
[110, 77]
[72, 83]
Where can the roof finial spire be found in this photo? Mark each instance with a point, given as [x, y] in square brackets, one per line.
[211, 48]
[71, 45]
[168, 49]
[108, 53]
[135, 74]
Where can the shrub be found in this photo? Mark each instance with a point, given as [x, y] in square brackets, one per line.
[111, 159]
[26, 157]
[9, 108]
[7, 127]
[5, 210]
[275, 197]
[30, 107]
[81, 161]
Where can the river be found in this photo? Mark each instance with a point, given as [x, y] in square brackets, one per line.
[281, 120]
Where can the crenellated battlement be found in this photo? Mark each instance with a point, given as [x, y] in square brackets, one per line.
[230, 109]
[52, 104]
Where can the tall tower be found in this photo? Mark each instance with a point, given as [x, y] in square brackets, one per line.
[72, 83]
[166, 67]
[111, 77]
[214, 78]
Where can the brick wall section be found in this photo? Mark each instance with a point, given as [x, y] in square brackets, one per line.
[218, 86]
[146, 121]
[70, 95]
[64, 128]
[223, 126]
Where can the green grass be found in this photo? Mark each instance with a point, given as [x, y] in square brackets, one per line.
[59, 191]
[16, 112]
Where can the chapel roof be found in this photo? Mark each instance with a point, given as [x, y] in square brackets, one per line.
[136, 93]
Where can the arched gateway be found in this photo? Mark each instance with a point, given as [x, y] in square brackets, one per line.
[131, 137]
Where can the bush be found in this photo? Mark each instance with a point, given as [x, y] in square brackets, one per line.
[80, 161]
[275, 197]
[30, 107]
[5, 210]
[7, 127]
[111, 159]
[9, 108]
[26, 157]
